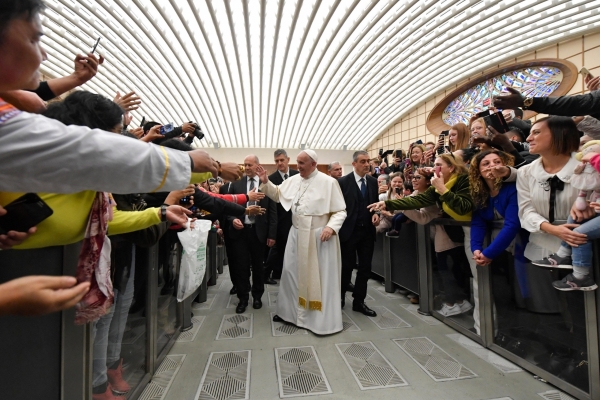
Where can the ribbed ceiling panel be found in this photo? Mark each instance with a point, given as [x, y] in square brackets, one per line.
[269, 73]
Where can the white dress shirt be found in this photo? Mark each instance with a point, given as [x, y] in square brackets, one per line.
[284, 173]
[250, 203]
[357, 178]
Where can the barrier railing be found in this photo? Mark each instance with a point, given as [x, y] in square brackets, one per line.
[550, 333]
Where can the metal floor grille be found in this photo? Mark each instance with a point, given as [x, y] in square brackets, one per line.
[369, 367]
[236, 326]
[555, 395]
[226, 376]
[428, 319]
[299, 372]
[386, 319]
[190, 335]
[438, 364]
[272, 298]
[283, 329]
[497, 361]
[162, 379]
[349, 324]
[207, 305]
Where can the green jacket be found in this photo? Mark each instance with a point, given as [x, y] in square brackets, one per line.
[458, 198]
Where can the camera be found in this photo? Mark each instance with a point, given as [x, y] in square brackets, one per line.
[185, 200]
[197, 131]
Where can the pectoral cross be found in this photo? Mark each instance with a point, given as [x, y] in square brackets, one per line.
[297, 203]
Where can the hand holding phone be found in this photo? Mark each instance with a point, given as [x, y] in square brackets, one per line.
[19, 218]
[95, 45]
[166, 128]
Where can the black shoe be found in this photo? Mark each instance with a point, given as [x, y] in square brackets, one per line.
[241, 307]
[362, 308]
[233, 290]
[256, 304]
[270, 281]
[350, 287]
[343, 302]
[277, 318]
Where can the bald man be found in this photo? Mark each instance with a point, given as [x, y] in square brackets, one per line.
[249, 237]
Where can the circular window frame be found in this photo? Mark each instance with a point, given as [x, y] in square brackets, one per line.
[435, 123]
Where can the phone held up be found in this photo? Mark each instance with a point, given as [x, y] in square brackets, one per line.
[442, 142]
[95, 45]
[24, 213]
[167, 128]
[584, 71]
[143, 121]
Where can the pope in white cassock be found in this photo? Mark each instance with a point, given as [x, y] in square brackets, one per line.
[309, 293]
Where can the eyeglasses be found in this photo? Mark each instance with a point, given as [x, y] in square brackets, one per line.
[416, 177]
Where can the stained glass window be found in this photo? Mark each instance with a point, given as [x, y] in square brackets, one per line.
[536, 81]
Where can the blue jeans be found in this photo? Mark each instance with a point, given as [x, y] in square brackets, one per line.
[582, 255]
[108, 332]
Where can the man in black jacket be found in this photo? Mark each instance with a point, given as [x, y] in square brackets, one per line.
[569, 106]
[357, 235]
[274, 262]
[248, 238]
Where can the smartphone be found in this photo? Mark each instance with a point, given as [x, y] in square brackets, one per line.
[442, 141]
[381, 152]
[398, 191]
[398, 153]
[419, 141]
[437, 170]
[483, 114]
[376, 170]
[95, 45]
[497, 121]
[24, 213]
[166, 128]
[584, 71]
[185, 200]
[143, 122]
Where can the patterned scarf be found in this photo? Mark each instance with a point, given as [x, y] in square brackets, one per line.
[94, 263]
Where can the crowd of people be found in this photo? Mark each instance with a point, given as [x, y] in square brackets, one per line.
[116, 188]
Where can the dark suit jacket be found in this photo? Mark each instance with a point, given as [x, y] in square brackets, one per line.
[284, 218]
[266, 225]
[351, 192]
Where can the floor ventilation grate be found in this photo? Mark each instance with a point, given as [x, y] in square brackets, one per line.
[555, 395]
[226, 376]
[349, 324]
[190, 335]
[386, 319]
[235, 326]
[369, 367]
[438, 364]
[486, 355]
[162, 379]
[299, 372]
[283, 329]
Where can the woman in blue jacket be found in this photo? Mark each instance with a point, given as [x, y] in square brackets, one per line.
[494, 199]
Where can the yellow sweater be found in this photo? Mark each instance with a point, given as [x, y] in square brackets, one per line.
[71, 212]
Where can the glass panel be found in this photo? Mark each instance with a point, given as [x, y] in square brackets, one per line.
[169, 251]
[452, 281]
[537, 322]
[119, 350]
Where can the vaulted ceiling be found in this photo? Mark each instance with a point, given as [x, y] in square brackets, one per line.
[274, 73]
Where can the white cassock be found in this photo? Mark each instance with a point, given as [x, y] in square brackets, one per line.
[309, 292]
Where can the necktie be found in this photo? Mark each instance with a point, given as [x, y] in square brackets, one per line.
[251, 218]
[555, 184]
[363, 188]
[285, 176]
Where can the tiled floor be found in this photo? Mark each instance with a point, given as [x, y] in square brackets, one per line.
[399, 354]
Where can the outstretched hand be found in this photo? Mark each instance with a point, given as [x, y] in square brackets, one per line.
[509, 101]
[379, 206]
[262, 173]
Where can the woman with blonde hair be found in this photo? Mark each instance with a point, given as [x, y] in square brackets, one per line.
[415, 159]
[458, 137]
[450, 188]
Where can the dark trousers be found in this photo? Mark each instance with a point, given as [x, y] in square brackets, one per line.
[361, 244]
[274, 263]
[249, 252]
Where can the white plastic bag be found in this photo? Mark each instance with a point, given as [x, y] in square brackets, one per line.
[193, 258]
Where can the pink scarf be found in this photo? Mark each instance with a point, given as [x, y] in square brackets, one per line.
[94, 263]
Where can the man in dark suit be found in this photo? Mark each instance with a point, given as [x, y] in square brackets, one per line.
[226, 189]
[357, 235]
[248, 238]
[274, 262]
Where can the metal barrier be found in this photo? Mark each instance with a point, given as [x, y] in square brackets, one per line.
[558, 345]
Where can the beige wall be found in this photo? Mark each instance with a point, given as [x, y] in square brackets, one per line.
[582, 51]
